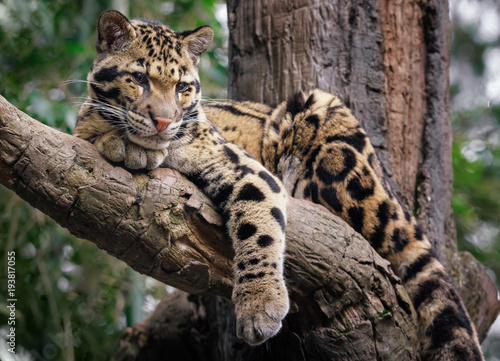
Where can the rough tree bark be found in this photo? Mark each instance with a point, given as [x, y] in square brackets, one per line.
[346, 303]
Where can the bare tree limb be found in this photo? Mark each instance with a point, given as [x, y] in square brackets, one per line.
[163, 226]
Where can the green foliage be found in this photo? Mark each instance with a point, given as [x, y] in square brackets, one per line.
[476, 147]
[475, 101]
[73, 299]
[476, 200]
[476, 204]
[64, 287]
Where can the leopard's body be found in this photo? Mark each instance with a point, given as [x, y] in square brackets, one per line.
[310, 146]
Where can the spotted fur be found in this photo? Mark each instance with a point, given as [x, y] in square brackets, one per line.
[317, 148]
[311, 142]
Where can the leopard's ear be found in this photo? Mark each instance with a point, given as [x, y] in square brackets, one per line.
[197, 41]
[115, 33]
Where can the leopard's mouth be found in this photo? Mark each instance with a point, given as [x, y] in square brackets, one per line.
[160, 140]
[143, 132]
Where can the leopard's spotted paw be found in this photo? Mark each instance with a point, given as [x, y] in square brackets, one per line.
[155, 157]
[111, 146]
[259, 315]
[137, 157]
[115, 148]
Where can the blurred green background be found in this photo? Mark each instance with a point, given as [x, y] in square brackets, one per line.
[73, 299]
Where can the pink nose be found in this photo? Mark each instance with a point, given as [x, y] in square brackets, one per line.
[162, 123]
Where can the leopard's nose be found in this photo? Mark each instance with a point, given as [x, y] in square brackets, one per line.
[161, 123]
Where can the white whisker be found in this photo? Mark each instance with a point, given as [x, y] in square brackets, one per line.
[71, 81]
[106, 108]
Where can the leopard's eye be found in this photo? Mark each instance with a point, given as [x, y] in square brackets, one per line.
[140, 78]
[181, 87]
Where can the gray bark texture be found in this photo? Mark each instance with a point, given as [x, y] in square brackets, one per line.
[388, 61]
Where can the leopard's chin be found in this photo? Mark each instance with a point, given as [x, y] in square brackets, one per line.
[150, 142]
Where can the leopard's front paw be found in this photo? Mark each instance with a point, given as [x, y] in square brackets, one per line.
[155, 157]
[259, 313]
[111, 146]
[115, 148]
[137, 157]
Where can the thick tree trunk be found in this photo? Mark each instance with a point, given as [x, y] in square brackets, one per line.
[387, 60]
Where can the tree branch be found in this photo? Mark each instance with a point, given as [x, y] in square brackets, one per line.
[163, 226]
[178, 328]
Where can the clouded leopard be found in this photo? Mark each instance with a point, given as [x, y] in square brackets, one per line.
[143, 109]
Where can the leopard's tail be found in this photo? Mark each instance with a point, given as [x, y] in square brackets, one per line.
[343, 173]
[446, 330]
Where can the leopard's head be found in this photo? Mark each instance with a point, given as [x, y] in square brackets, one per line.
[144, 79]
